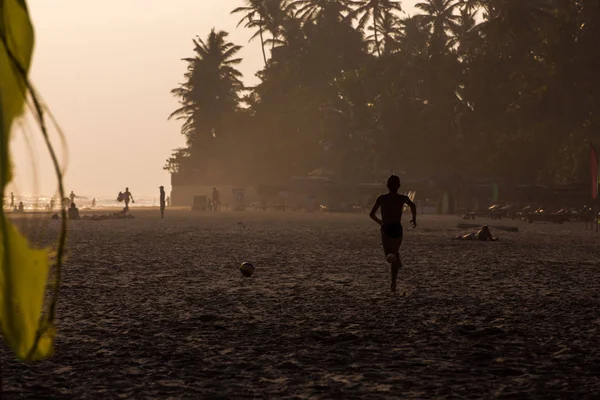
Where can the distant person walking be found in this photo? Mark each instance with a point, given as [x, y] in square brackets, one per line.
[216, 199]
[127, 197]
[162, 201]
[93, 202]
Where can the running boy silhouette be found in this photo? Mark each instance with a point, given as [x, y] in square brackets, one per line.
[392, 205]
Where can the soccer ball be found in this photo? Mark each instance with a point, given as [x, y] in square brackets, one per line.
[247, 269]
[391, 258]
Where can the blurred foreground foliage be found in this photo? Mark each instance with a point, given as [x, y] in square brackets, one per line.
[26, 328]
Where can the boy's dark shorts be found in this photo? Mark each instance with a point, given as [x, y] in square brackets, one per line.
[391, 238]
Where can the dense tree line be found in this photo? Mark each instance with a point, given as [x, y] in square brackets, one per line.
[508, 89]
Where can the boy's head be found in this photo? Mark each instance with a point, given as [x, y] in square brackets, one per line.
[393, 183]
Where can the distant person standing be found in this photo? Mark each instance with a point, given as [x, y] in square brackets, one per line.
[127, 196]
[12, 200]
[93, 202]
[168, 201]
[216, 199]
[162, 201]
[72, 197]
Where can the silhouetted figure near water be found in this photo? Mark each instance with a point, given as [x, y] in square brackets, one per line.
[12, 200]
[73, 212]
[127, 197]
[21, 207]
[72, 197]
[162, 201]
[392, 205]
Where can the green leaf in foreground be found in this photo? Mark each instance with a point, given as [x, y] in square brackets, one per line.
[24, 270]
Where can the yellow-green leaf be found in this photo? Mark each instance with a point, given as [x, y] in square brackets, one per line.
[23, 270]
[23, 283]
[16, 39]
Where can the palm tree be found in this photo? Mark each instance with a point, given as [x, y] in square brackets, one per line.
[212, 88]
[312, 10]
[413, 36]
[374, 10]
[513, 16]
[464, 31]
[440, 16]
[254, 18]
[389, 27]
[264, 15]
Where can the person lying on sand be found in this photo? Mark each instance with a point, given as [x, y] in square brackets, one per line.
[484, 234]
[392, 205]
[123, 214]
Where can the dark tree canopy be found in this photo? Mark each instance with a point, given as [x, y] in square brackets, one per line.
[507, 89]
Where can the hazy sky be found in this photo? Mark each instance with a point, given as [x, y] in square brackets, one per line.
[105, 69]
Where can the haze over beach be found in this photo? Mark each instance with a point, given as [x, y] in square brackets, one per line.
[106, 71]
[366, 202]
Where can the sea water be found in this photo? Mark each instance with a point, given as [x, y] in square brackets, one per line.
[42, 203]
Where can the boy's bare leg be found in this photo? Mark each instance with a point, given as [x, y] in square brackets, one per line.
[392, 246]
[395, 268]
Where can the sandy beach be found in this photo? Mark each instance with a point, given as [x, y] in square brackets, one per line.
[156, 309]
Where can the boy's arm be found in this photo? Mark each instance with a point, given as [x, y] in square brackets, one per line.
[373, 212]
[413, 209]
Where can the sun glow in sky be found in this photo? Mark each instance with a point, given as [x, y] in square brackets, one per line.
[105, 69]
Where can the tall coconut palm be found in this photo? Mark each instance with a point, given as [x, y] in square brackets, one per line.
[514, 17]
[211, 90]
[464, 31]
[279, 13]
[254, 18]
[264, 15]
[311, 10]
[440, 16]
[388, 28]
[413, 36]
[374, 10]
